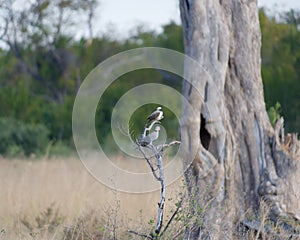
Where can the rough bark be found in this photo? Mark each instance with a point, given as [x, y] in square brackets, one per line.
[241, 158]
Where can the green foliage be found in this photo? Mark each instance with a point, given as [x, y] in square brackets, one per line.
[281, 64]
[18, 138]
[274, 113]
[39, 85]
[115, 91]
[172, 37]
[39, 81]
[60, 149]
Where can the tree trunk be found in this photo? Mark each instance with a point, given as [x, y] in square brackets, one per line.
[241, 158]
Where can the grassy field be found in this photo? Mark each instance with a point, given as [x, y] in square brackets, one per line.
[59, 199]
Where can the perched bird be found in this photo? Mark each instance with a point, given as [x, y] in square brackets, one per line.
[150, 137]
[156, 115]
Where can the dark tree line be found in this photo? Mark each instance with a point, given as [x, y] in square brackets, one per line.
[42, 64]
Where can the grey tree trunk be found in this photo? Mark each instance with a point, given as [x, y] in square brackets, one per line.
[241, 158]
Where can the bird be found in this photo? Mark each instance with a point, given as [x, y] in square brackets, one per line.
[157, 115]
[150, 137]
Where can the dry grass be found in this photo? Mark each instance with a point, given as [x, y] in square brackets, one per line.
[61, 193]
[59, 199]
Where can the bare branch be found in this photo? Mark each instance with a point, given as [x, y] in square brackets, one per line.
[166, 145]
[159, 177]
[170, 144]
[92, 5]
[5, 30]
[140, 234]
[149, 163]
[149, 128]
[163, 192]
[58, 24]
[179, 204]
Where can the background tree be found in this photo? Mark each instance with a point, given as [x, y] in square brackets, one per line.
[42, 64]
[280, 64]
[40, 61]
[38, 34]
[241, 159]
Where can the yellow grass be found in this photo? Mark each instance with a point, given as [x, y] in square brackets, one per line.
[29, 187]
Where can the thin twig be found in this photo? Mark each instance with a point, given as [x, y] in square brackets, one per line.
[172, 217]
[169, 144]
[149, 163]
[166, 145]
[179, 231]
[5, 30]
[140, 234]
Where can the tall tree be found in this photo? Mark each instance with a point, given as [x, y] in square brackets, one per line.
[241, 158]
[38, 33]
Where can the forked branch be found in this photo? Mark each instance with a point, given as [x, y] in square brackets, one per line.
[158, 174]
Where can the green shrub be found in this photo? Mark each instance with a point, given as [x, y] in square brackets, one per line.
[18, 138]
[274, 113]
[60, 149]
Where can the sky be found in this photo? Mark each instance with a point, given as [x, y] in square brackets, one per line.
[120, 17]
